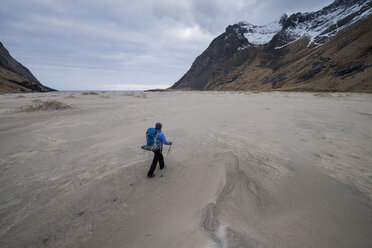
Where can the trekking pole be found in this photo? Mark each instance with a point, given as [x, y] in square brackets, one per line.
[168, 150]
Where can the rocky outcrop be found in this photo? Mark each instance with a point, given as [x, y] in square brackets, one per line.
[316, 68]
[304, 51]
[351, 69]
[14, 77]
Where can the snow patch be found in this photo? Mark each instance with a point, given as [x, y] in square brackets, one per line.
[258, 35]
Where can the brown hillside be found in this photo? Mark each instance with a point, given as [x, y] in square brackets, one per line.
[11, 82]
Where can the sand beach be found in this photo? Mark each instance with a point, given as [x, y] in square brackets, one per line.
[245, 170]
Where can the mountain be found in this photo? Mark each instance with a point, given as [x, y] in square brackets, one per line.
[14, 77]
[326, 50]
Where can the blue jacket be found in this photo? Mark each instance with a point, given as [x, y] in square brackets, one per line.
[161, 140]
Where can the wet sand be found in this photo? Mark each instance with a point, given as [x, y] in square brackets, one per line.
[246, 170]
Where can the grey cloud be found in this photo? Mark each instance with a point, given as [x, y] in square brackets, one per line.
[214, 15]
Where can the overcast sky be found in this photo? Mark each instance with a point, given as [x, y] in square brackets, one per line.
[124, 44]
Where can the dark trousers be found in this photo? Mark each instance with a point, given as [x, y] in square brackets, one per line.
[158, 156]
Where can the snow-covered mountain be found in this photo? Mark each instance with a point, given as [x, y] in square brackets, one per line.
[291, 52]
[319, 27]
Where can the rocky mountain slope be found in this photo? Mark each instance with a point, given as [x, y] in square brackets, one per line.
[326, 50]
[14, 77]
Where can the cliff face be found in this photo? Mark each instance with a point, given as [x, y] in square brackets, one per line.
[327, 50]
[209, 62]
[14, 77]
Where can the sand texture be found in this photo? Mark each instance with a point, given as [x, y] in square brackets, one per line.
[246, 170]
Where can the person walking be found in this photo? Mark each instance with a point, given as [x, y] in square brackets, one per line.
[158, 152]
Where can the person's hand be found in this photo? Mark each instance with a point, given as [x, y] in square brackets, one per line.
[170, 142]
